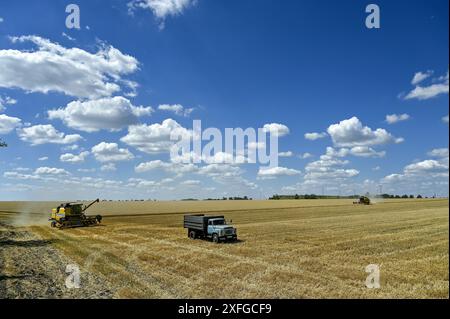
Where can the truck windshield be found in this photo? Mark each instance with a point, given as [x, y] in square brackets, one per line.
[219, 222]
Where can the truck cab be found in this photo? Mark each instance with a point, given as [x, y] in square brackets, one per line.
[220, 227]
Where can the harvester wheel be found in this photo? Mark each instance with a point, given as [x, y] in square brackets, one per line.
[53, 224]
[99, 219]
[192, 235]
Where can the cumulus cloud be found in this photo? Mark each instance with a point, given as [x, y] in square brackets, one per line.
[445, 119]
[111, 114]
[275, 172]
[305, 155]
[439, 86]
[74, 159]
[155, 138]
[191, 183]
[276, 129]
[421, 76]
[351, 133]
[178, 109]
[315, 136]
[6, 101]
[175, 168]
[286, 154]
[162, 8]
[50, 171]
[50, 67]
[427, 166]
[426, 174]
[46, 134]
[110, 152]
[439, 152]
[8, 123]
[330, 168]
[111, 167]
[365, 151]
[394, 118]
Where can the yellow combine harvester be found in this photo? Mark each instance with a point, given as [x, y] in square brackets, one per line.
[364, 200]
[71, 215]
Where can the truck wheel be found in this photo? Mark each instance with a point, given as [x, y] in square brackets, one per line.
[192, 235]
[216, 239]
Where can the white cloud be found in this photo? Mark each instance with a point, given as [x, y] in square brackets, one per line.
[276, 129]
[329, 168]
[365, 151]
[191, 183]
[274, 172]
[305, 155]
[220, 171]
[86, 170]
[43, 159]
[6, 101]
[110, 114]
[351, 133]
[155, 138]
[178, 109]
[8, 124]
[176, 168]
[53, 68]
[46, 134]
[315, 136]
[2, 20]
[286, 154]
[74, 159]
[445, 119]
[427, 166]
[110, 152]
[256, 146]
[441, 86]
[73, 147]
[394, 118]
[162, 8]
[421, 76]
[425, 176]
[111, 167]
[439, 152]
[68, 37]
[50, 171]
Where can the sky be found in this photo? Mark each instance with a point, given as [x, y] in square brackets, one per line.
[88, 112]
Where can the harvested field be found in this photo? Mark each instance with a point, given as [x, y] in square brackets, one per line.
[287, 249]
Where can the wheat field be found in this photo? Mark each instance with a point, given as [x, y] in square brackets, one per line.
[287, 249]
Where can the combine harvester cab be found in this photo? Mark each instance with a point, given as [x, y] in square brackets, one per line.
[72, 215]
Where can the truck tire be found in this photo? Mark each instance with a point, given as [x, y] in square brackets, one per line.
[192, 235]
[216, 239]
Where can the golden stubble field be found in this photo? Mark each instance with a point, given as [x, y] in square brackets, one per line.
[288, 249]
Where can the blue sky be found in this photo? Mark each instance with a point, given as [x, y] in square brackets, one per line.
[309, 66]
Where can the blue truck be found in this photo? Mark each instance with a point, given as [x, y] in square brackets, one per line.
[209, 227]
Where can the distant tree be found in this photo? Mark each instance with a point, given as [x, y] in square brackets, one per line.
[405, 196]
[397, 196]
[411, 196]
[419, 197]
[297, 196]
